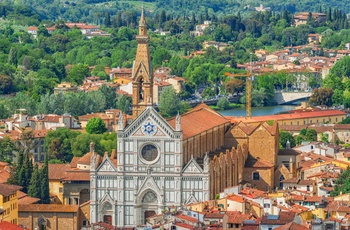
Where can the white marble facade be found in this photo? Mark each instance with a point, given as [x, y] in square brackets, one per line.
[150, 175]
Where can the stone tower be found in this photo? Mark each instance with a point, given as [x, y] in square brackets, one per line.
[142, 77]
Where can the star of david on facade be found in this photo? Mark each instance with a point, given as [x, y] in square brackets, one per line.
[149, 128]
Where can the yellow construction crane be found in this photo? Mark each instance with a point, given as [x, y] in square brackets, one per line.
[248, 88]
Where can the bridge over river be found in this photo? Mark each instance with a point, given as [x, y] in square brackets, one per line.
[287, 98]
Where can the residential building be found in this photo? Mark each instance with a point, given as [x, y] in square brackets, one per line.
[65, 87]
[302, 18]
[9, 203]
[218, 45]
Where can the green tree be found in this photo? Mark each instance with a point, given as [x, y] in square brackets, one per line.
[44, 185]
[7, 147]
[110, 95]
[124, 103]
[35, 184]
[25, 173]
[58, 144]
[4, 111]
[342, 184]
[77, 73]
[223, 103]
[12, 58]
[81, 144]
[285, 137]
[322, 96]
[169, 102]
[311, 135]
[95, 126]
[6, 84]
[160, 57]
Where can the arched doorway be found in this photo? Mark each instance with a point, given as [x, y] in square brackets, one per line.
[149, 205]
[84, 196]
[107, 212]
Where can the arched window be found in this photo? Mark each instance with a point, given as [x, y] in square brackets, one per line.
[150, 197]
[256, 176]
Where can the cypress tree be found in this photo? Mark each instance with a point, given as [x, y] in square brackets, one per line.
[25, 174]
[12, 58]
[107, 20]
[44, 179]
[35, 184]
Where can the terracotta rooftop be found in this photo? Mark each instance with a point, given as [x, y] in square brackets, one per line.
[4, 225]
[28, 200]
[184, 226]
[48, 208]
[236, 217]
[290, 116]
[257, 163]
[9, 189]
[236, 198]
[187, 218]
[85, 160]
[281, 219]
[57, 171]
[198, 120]
[291, 226]
[77, 175]
[214, 215]
[73, 162]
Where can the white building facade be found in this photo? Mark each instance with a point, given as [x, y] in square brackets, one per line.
[148, 175]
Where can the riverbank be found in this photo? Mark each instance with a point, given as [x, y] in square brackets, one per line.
[257, 111]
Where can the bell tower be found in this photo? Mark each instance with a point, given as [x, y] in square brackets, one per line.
[142, 76]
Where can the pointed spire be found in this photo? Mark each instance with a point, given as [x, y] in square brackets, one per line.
[142, 23]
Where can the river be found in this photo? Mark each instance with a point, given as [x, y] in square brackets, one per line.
[258, 111]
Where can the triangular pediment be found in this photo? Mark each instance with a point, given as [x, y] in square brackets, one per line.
[107, 198]
[147, 184]
[192, 167]
[191, 200]
[106, 166]
[149, 124]
[141, 70]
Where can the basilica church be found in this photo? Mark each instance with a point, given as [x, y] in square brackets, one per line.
[161, 165]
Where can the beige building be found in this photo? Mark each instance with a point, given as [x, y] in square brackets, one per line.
[50, 216]
[65, 87]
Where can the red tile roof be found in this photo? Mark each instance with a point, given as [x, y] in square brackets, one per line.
[77, 175]
[292, 226]
[27, 200]
[291, 116]
[185, 226]
[187, 218]
[8, 189]
[85, 160]
[57, 171]
[281, 219]
[48, 208]
[236, 198]
[236, 217]
[198, 120]
[4, 225]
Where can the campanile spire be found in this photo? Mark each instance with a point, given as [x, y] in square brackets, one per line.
[142, 76]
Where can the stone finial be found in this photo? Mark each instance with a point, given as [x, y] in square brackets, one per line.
[121, 121]
[92, 147]
[178, 122]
